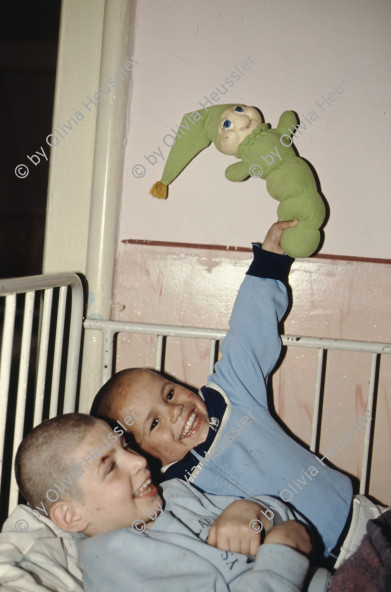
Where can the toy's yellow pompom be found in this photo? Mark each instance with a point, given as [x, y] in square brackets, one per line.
[159, 190]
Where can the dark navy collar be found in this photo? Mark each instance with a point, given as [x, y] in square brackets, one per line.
[216, 406]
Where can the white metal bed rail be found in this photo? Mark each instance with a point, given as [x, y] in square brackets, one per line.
[110, 329]
[41, 318]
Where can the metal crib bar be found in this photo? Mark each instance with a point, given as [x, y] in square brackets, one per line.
[317, 395]
[5, 364]
[58, 345]
[153, 329]
[22, 384]
[219, 334]
[337, 344]
[43, 347]
[364, 477]
[107, 354]
[212, 355]
[73, 357]
[159, 363]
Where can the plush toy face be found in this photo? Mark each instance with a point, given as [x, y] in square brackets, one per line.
[236, 123]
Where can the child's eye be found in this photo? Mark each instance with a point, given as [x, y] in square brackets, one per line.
[239, 109]
[154, 423]
[227, 124]
[170, 395]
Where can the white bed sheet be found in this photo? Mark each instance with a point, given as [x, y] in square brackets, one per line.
[36, 556]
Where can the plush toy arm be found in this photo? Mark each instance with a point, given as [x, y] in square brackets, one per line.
[287, 122]
[237, 171]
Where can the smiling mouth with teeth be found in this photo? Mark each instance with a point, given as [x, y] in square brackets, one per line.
[147, 489]
[191, 426]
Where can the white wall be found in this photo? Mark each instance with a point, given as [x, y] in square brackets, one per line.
[300, 50]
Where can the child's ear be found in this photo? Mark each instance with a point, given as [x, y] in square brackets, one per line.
[67, 516]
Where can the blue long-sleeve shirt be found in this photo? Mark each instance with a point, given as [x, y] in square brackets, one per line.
[174, 555]
[247, 452]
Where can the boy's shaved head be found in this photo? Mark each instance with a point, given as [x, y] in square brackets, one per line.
[46, 455]
[104, 402]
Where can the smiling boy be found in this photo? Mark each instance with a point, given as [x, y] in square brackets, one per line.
[198, 542]
[86, 499]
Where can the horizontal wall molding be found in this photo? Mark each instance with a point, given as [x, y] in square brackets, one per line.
[167, 244]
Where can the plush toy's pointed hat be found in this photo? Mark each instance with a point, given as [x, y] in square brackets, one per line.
[196, 131]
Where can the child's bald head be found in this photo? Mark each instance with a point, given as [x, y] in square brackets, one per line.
[109, 399]
[46, 456]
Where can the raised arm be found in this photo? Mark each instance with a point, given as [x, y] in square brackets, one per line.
[252, 345]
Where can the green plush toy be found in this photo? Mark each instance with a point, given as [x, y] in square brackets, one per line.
[264, 153]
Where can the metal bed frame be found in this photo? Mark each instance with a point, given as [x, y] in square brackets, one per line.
[42, 324]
